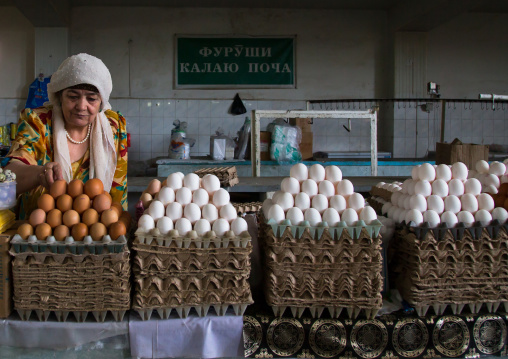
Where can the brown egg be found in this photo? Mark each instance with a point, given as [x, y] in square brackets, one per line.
[153, 187]
[46, 202]
[25, 230]
[97, 231]
[42, 231]
[81, 203]
[70, 218]
[79, 231]
[126, 218]
[64, 203]
[164, 183]
[146, 199]
[109, 217]
[61, 232]
[118, 207]
[75, 188]
[102, 202]
[117, 229]
[90, 216]
[54, 218]
[104, 192]
[37, 217]
[93, 187]
[58, 188]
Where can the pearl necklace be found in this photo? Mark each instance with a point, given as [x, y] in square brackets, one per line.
[79, 142]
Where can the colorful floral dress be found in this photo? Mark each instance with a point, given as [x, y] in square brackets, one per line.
[34, 146]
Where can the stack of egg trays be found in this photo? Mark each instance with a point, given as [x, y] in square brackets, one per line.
[318, 268]
[228, 176]
[175, 273]
[459, 267]
[78, 277]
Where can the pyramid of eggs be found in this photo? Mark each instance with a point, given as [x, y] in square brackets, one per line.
[452, 246]
[321, 245]
[192, 251]
[72, 255]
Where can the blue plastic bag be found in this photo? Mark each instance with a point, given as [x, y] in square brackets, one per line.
[38, 92]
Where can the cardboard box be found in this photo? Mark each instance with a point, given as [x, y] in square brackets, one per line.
[304, 123]
[468, 153]
[306, 146]
[6, 274]
[265, 138]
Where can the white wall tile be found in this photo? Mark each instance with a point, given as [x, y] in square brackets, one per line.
[204, 144]
[132, 107]
[133, 156]
[145, 125]
[157, 143]
[204, 108]
[168, 125]
[157, 125]
[181, 109]
[135, 147]
[145, 156]
[145, 143]
[193, 125]
[488, 140]
[215, 123]
[204, 127]
[133, 125]
[488, 128]
[410, 128]
[399, 129]
[219, 108]
[145, 108]
[169, 108]
[158, 108]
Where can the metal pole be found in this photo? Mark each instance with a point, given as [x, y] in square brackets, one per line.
[255, 150]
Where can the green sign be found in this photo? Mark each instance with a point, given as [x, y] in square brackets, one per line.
[235, 62]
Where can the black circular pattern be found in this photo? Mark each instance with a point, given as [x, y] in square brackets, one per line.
[369, 338]
[327, 337]
[410, 337]
[489, 334]
[252, 335]
[285, 336]
[451, 336]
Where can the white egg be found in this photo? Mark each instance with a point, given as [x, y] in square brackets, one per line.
[402, 216]
[401, 200]
[165, 224]
[415, 216]
[423, 187]
[202, 227]
[331, 216]
[404, 186]
[166, 195]
[192, 212]
[184, 196]
[174, 210]
[436, 204]
[356, 201]
[411, 187]
[299, 171]
[473, 186]
[345, 187]
[210, 183]
[200, 197]
[386, 207]
[414, 172]
[391, 212]
[466, 217]
[338, 202]
[191, 181]
[210, 212]
[452, 204]
[239, 225]
[156, 210]
[333, 174]
[456, 187]
[407, 202]
[312, 216]
[276, 213]
[326, 188]
[469, 203]
[302, 201]
[490, 189]
[220, 198]
[295, 215]
[310, 187]
[443, 172]
[221, 226]
[183, 226]
[482, 166]
[290, 185]
[367, 214]
[497, 168]
[285, 200]
[483, 216]
[320, 202]
[317, 172]
[485, 201]
[395, 197]
[275, 195]
[500, 214]
[459, 171]
[174, 181]
[418, 202]
[380, 184]
[426, 172]
[228, 212]
[440, 188]
[350, 216]
[491, 180]
[181, 175]
[432, 218]
[449, 218]
[267, 203]
[146, 223]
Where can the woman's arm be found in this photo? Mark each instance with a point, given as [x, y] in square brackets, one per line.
[29, 177]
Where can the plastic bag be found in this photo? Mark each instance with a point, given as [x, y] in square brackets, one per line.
[38, 92]
[238, 108]
[222, 147]
[243, 140]
[179, 147]
[285, 142]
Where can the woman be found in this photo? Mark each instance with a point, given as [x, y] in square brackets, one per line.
[74, 136]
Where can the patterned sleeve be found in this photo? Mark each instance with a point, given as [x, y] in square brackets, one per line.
[119, 187]
[32, 144]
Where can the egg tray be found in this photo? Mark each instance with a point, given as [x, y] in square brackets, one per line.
[247, 207]
[79, 316]
[228, 176]
[69, 245]
[375, 203]
[186, 311]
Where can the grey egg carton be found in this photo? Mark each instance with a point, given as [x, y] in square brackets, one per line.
[155, 237]
[69, 245]
[201, 310]
[317, 311]
[63, 315]
[317, 231]
[457, 309]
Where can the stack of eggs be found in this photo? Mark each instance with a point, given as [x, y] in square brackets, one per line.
[187, 203]
[76, 210]
[319, 196]
[442, 194]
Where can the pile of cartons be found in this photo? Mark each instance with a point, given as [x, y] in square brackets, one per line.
[228, 176]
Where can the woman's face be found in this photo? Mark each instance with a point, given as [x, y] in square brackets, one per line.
[80, 107]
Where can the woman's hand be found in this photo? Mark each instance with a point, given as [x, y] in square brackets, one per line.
[50, 172]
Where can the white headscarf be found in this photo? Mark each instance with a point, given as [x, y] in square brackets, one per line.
[76, 70]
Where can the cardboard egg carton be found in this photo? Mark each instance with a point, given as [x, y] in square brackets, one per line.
[375, 203]
[247, 207]
[381, 192]
[228, 176]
